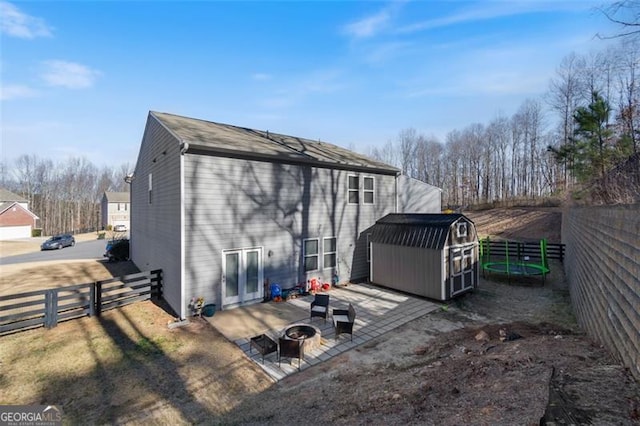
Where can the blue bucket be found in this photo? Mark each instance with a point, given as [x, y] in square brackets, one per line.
[276, 291]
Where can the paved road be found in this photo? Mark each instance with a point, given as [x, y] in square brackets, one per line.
[82, 251]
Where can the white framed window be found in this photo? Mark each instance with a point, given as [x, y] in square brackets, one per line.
[353, 189]
[461, 229]
[368, 190]
[330, 252]
[150, 188]
[310, 250]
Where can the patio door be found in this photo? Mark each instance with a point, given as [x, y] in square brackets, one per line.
[242, 274]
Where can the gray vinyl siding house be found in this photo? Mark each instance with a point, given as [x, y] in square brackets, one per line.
[114, 209]
[223, 210]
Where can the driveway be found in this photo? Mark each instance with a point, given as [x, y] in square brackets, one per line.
[83, 250]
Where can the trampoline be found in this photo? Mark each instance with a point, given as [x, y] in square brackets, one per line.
[514, 258]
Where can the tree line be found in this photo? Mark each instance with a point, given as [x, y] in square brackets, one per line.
[65, 194]
[587, 122]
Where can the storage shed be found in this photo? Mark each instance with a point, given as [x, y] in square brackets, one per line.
[430, 255]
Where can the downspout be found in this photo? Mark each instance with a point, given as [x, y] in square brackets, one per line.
[396, 201]
[183, 149]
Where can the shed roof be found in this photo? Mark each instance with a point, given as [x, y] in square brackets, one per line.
[415, 230]
[117, 197]
[224, 139]
[6, 195]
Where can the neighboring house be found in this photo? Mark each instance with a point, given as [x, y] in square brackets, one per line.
[16, 220]
[115, 209]
[225, 210]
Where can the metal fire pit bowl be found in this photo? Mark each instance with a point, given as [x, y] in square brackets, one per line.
[306, 332]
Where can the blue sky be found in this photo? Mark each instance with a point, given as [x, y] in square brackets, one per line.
[78, 78]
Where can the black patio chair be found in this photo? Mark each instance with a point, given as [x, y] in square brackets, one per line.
[320, 306]
[290, 348]
[343, 320]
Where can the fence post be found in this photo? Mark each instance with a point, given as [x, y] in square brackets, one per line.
[98, 297]
[47, 309]
[51, 308]
[92, 299]
[54, 306]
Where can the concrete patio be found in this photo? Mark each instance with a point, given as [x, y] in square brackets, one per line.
[378, 311]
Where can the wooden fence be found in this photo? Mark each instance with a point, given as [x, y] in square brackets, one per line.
[498, 249]
[48, 307]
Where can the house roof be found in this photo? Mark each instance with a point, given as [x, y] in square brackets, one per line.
[206, 137]
[6, 195]
[117, 197]
[415, 230]
[6, 206]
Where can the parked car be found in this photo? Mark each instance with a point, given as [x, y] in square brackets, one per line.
[117, 250]
[120, 228]
[58, 241]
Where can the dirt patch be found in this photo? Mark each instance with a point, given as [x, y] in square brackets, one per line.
[524, 223]
[448, 367]
[452, 367]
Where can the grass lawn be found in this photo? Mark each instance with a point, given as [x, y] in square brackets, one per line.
[127, 366]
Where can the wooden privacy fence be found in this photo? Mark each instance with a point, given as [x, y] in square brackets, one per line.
[48, 307]
[498, 249]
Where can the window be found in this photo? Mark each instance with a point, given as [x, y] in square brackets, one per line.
[330, 248]
[462, 229]
[353, 188]
[368, 190]
[150, 187]
[310, 250]
[122, 207]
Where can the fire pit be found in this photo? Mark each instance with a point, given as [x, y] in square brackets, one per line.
[306, 332]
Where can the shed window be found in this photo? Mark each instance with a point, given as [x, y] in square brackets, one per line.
[353, 189]
[368, 190]
[330, 249]
[462, 229]
[310, 250]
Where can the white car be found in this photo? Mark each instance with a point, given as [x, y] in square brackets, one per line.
[120, 228]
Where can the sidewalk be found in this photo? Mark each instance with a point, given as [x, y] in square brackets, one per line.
[378, 311]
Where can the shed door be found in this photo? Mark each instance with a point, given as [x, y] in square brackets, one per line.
[241, 276]
[461, 267]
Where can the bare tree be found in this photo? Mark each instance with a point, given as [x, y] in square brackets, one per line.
[626, 14]
[407, 141]
[563, 98]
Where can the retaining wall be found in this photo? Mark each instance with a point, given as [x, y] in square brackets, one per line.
[602, 265]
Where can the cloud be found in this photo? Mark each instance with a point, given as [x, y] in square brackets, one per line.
[16, 91]
[69, 74]
[15, 23]
[387, 51]
[493, 10]
[373, 24]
